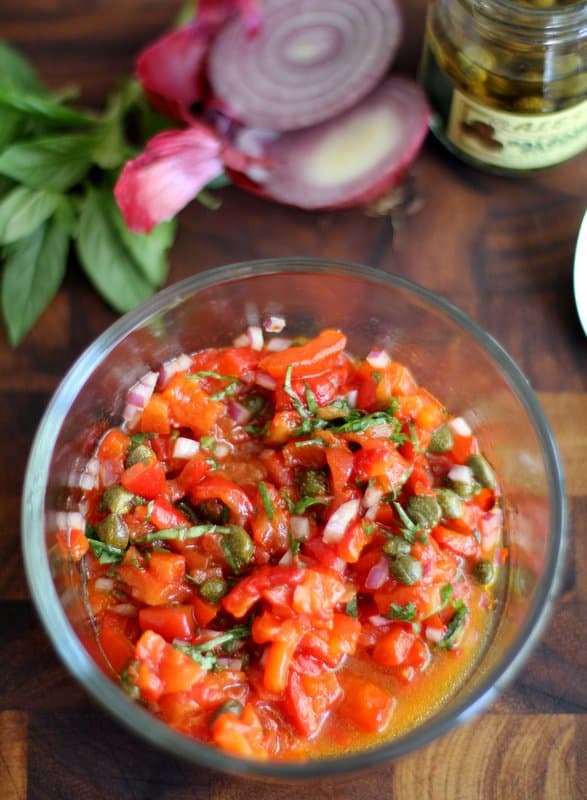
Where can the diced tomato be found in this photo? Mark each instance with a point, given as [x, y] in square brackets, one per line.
[393, 648]
[115, 642]
[426, 599]
[367, 705]
[247, 592]
[462, 544]
[340, 462]
[242, 736]
[171, 622]
[307, 359]
[164, 515]
[282, 427]
[193, 472]
[215, 487]
[204, 611]
[343, 636]
[324, 554]
[145, 480]
[157, 582]
[381, 460]
[72, 543]
[355, 538]
[309, 698]
[111, 454]
[177, 671]
[190, 406]
[155, 416]
[308, 455]
[278, 472]
[462, 448]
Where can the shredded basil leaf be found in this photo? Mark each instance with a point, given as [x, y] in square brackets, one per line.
[181, 534]
[405, 613]
[351, 608]
[306, 502]
[455, 626]
[267, 502]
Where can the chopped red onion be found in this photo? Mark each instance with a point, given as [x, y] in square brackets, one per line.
[241, 341]
[125, 610]
[339, 521]
[234, 664]
[255, 336]
[378, 574]
[140, 393]
[460, 473]
[299, 527]
[131, 415]
[351, 398]
[372, 511]
[378, 621]
[265, 380]
[378, 358]
[286, 559]
[185, 448]
[104, 584]
[434, 635]
[278, 343]
[69, 521]
[222, 449]
[170, 368]
[239, 412]
[460, 426]
[372, 496]
[273, 324]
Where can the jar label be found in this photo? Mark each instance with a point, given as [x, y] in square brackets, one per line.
[516, 141]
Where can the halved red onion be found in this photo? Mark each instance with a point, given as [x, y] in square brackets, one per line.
[350, 160]
[378, 574]
[273, 324]
[378, 358]
[185, 448]
[309, 62]
[299, 527]
[339, 521]
[255, 336]
[170, 368]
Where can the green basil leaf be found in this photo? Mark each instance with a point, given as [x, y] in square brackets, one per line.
[32, 274]
[43, 108]
[105, 259]
[55, 163]
[149, 250]
[16, 72]
[6, 186]
[11, 129]
[22, 210]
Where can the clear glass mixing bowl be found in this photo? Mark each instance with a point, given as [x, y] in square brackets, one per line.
[448, 353]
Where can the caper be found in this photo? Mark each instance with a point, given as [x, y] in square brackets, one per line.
[117, 499]
[424, 510]
[142, 453]
[313, 483]
[213, 589]
[406, 569]
[464, 489]
[451, 504]
[396, 546]
[483, 572]
[441, 440]
[240, 546]
[228, 707]
[481, 470]
[113, 530]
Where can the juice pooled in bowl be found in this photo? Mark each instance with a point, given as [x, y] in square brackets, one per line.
[288, 551]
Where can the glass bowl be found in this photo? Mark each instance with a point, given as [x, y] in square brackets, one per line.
[448, 353]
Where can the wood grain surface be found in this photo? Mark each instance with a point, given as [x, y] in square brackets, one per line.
[502, 251]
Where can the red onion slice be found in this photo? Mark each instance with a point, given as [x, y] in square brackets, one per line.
[309, 61]
[350, 160]
[378, 574]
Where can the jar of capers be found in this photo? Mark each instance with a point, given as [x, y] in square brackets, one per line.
[507, 80]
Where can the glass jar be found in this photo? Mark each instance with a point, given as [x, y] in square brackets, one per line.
[507, 80]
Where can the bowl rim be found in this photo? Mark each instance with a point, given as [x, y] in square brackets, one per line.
[80, 664]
